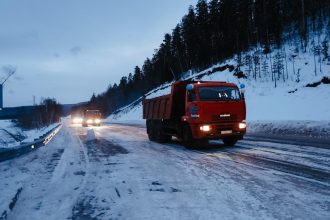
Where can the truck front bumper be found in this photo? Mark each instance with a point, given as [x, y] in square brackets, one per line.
[217, 131]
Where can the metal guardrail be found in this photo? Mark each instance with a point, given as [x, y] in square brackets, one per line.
[24, 148]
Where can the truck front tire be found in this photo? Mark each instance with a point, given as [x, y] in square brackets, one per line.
[187, 137]
[230, 141]
[189, 141]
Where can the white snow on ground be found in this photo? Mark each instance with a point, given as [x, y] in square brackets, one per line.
[122, 175]
[12, 136]
[264, 101]
[51, 179]
[157, 181]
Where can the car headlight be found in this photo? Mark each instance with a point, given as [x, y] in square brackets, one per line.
[89, 121]
[97, 121]
[242, 125]
[205, 128]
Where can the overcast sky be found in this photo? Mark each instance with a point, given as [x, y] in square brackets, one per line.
[68, 49]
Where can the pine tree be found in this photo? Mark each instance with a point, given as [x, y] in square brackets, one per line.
[248, 64]
[298, 76]
[316, 52]
[278, 66]
[178, 50]
[239, 61]
[265, 68]
[216, 31]
[325, 49]
[190, 37]
[293, 56]
[256, 62]
[203, 34]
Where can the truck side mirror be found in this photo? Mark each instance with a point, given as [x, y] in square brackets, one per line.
[190, 87]
[242, 87]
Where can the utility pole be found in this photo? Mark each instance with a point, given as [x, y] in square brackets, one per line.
[1, 97]
[10, 70]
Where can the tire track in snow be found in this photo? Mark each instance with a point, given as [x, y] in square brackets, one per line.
[262, 182]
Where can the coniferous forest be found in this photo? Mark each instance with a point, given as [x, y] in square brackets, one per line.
[216, 30]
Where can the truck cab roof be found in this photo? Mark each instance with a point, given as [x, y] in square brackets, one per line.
[95, 113]
[212, 83]
[203, 83]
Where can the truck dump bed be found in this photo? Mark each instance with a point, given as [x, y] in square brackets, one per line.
[167, 106]
[157, 108]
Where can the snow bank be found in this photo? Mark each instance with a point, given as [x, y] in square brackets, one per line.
[12, 136]
[317, 129]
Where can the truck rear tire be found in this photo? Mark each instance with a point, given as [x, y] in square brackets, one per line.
[230, 141]
[150, 130]
[161, 136]
[151, 138]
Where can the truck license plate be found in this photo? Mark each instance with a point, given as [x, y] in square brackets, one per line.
[227, 132]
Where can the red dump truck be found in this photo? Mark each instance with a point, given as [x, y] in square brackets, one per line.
[196, 112]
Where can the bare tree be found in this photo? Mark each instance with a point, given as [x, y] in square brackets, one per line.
[9, 70]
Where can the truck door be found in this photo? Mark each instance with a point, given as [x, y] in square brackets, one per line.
[191, 108]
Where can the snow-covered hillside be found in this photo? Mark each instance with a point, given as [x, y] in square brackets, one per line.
[302, 91]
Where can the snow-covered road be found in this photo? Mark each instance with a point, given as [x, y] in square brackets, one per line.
[122, 175]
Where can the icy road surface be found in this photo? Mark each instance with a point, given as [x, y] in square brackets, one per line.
[122, 175]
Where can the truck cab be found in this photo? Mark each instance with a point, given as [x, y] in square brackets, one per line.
[91, 117]
[215, 110]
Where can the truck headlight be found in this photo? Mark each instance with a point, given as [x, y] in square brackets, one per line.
[97, 121]
[205, 128]
[77, 120]
[242, 125]
[89, 121]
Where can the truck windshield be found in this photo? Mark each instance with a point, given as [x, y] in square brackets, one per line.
[93, 114]
[218, 93]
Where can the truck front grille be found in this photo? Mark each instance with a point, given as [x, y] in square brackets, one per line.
[226, 126]
[231, 118]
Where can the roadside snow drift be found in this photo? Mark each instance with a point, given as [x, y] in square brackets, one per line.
[12, 136]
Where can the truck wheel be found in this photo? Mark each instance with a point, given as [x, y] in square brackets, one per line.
[150, 130]
[150, 137]
[164, 138]
[202, 142]
[229, 141]
[161, 136]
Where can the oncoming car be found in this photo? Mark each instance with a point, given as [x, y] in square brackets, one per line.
[91, 117]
